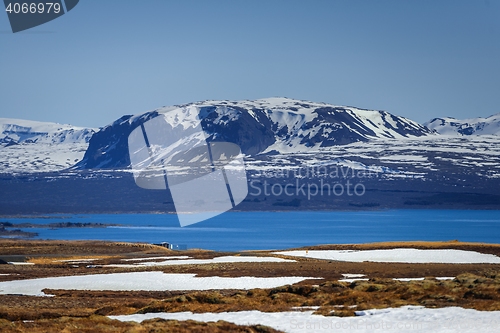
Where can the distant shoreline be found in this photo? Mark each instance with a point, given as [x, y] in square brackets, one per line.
[62, 215]
[14, 230]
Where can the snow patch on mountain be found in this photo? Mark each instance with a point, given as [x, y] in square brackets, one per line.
[302, 125]
[264, 126]
[34, 146]
[473, 126]
[15, 131]
[280, 127]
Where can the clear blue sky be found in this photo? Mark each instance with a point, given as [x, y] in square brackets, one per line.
[106, 58]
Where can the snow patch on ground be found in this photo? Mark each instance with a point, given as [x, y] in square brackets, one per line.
[405, 319]
[226, 259]
[157, 258]
[353, 277]
[421, 279]
[77, 260]
[148, 281]
[353, 280]
[399, 255]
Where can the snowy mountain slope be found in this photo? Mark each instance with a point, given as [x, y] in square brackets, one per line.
[14, 131]
[108, 148]
[272, 125]
[288, 143]
[299, 125]
[33, 146]
[452, 159]
[473, 126]
[293, 131]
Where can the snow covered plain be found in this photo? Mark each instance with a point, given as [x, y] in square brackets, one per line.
[149, 281]
[33, 157]
[398, 255]
[405, 319]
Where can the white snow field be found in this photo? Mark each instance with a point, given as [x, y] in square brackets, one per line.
[449, 256]
[157, 258]
[413, 319]
[422, 279]
[148, 281]
[225, 259]
[35, 146]
[353, 277]
[40, 157]
[350, 280]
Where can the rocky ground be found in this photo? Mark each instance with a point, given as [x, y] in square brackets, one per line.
[473, 286]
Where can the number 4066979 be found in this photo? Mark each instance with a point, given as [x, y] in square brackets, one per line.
[33, 8]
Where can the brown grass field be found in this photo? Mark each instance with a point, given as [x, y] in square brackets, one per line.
[475, 286]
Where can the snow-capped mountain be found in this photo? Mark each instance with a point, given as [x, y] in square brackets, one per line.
[401, 163]
[15, 131]
[33, 146]
[473, 126]
[272, 125]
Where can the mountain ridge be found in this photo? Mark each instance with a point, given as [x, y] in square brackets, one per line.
[471, 126]
[273, 125]
[266, 126]
[34, 146]
[15, 131]
[288, 143]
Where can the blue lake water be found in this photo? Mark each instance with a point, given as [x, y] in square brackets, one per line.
[233, 231]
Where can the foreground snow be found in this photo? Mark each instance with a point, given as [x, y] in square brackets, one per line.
[77, 260]
[186, 261]
[405, 319]
[422, 279]
[361, 277]
[157, 258]
[399, 255]
[149, 281]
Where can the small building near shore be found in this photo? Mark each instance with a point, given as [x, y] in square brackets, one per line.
[171, 246]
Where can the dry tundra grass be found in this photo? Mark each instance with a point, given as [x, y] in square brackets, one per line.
[474, 286]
